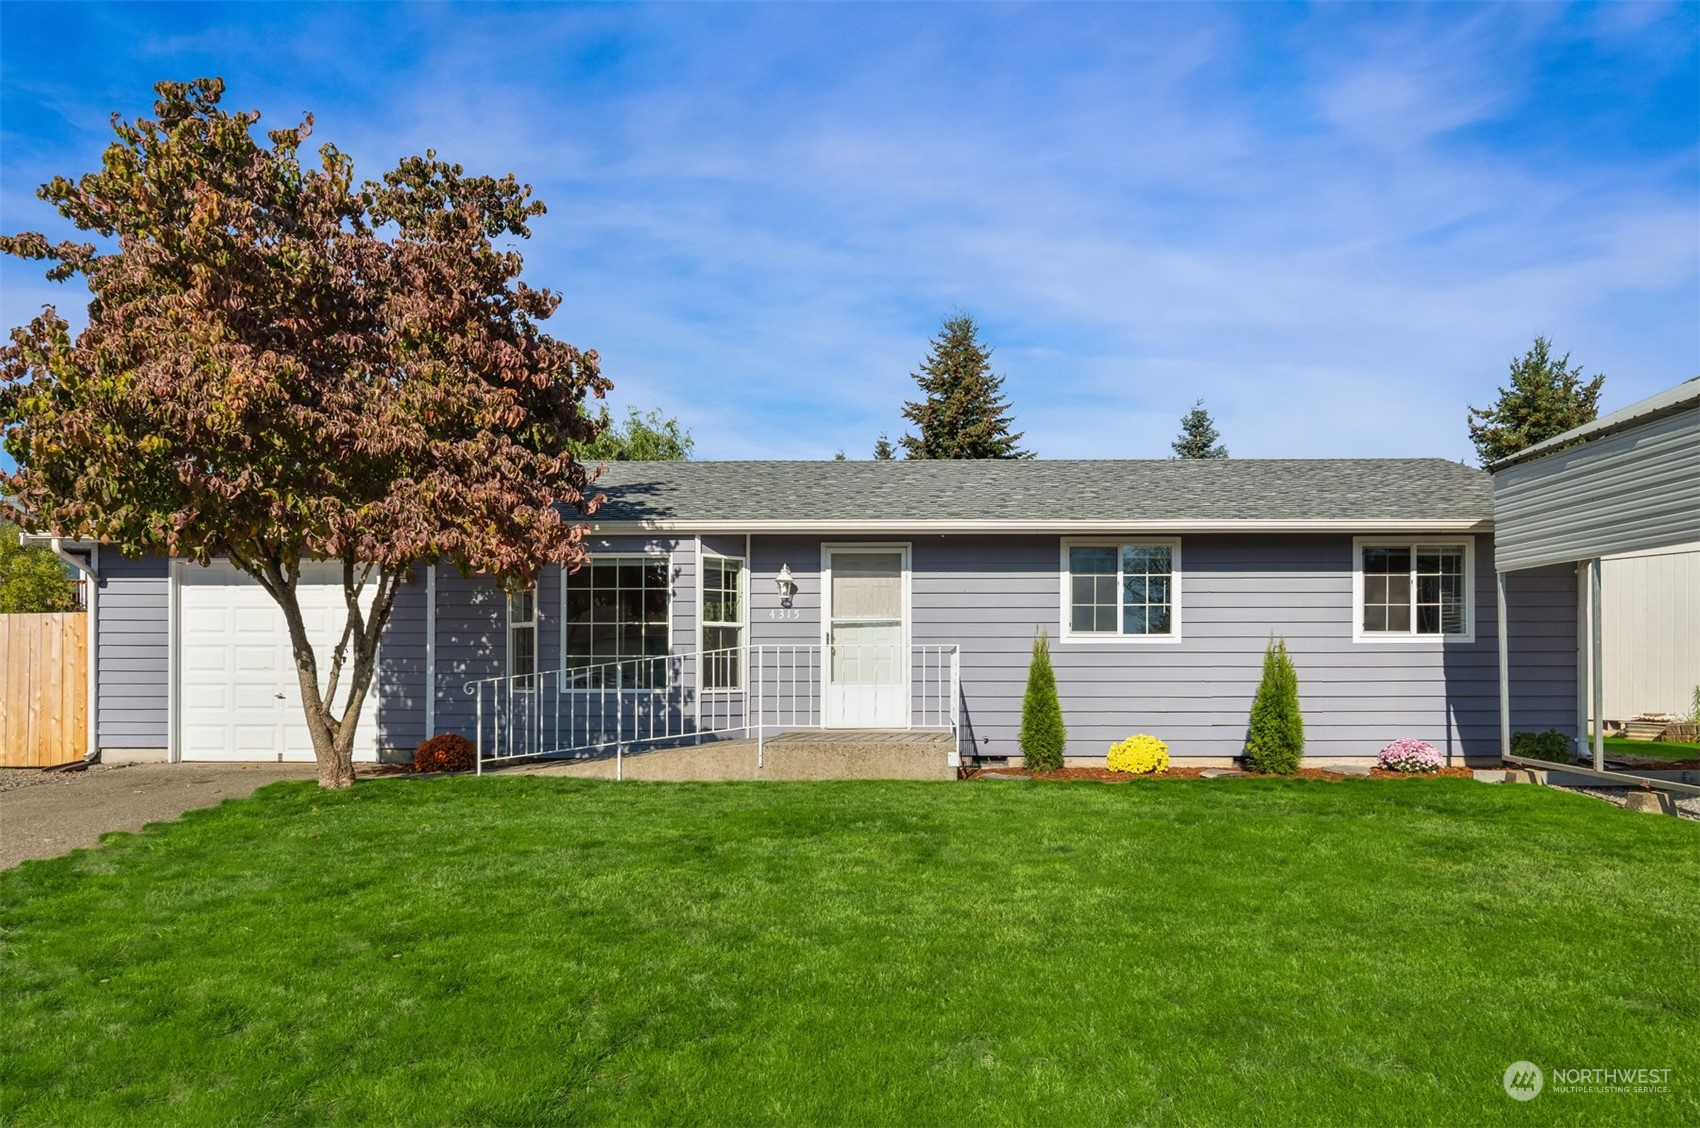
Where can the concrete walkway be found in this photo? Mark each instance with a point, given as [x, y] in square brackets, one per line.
[792, 755]
[62, 811]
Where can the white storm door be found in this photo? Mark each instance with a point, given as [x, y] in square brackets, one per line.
[867, 633]
[238, 695]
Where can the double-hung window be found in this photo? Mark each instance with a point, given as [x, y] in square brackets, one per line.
[722, 623]
[1413, 589]
[616, 614]
[1122, 589]
[522, 635]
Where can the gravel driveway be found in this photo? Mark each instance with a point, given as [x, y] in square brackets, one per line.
[45, 814]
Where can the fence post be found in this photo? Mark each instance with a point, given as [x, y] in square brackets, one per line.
[619, 721]
[761, 730]
[478, 710]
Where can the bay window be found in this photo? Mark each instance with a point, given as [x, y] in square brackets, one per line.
[722, 623]
[615, 609]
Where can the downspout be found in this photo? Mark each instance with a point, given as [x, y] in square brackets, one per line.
[1504, 672]
[430, 651]
[89, 568]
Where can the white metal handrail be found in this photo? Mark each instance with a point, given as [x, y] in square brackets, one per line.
[588, 709]
[855, 685]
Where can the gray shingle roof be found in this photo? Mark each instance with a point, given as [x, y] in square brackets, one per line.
[1350, 492]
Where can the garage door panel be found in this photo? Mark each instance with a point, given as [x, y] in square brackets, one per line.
[256, 659]
[255, 618]
[239, 693]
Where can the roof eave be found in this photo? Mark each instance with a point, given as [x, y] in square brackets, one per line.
[1077, 527]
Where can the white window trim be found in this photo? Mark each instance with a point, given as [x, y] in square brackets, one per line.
[1065, 595]
[665, 558]
[1411, 637]
[536, 625]
[743, 623]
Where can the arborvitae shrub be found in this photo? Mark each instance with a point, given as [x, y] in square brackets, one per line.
[1043, 734]
[446, 753]
[1276, 740]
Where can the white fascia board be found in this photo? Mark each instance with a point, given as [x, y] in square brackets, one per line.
[618, 528]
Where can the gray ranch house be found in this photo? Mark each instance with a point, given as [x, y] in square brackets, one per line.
[744, 599]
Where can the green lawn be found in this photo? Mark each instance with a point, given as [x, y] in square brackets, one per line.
[463, 951]
[1659, 749]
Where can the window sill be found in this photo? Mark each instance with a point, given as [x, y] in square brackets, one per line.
[1118, 639]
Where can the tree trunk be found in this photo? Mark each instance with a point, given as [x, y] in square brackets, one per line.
[336, 770]
[333, 737]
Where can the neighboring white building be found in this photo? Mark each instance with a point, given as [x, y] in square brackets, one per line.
[1651, 627]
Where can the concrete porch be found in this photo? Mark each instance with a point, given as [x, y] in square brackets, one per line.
[797, 754]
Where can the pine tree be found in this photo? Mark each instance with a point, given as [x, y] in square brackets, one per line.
[960, 414]
[1198, 435]
[1043, 734]
[883, 451]
[1275, 742]
[1546, 398]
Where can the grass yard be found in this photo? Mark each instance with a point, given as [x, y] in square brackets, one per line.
[1661, 749]
[527, 950]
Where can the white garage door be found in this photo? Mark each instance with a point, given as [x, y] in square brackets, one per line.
[238, 697]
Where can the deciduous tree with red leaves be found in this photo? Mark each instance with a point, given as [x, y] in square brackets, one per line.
[282, 365]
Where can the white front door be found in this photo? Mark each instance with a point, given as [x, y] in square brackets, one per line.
[238, 696]
[867, 637]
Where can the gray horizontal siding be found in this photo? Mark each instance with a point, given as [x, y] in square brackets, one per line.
[988, 594]
[1635, 490]
[133, 690]
[400, 715]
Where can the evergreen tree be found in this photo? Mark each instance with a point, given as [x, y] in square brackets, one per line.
[1198, 435]
[960, 414]
[1547, 397]
[1275, 741]
[840, 456]
[1043, 734]
[883, 451]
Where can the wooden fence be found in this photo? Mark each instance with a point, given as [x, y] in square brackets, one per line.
[44, 689]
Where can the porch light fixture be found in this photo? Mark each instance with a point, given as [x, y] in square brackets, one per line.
[785, 584]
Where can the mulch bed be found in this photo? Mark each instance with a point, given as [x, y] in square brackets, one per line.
[1105, 775]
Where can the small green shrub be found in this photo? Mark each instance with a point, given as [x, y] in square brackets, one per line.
[1140, 754]
[449, 752]
[1275, 742]
[1552, 746]
[1043, 734]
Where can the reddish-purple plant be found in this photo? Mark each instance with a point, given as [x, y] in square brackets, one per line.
[281, 365]
[1410, 756]
[446, 752]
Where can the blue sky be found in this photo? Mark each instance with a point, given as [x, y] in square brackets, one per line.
[1334, 224]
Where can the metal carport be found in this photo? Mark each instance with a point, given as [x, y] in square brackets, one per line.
[1626, 482]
